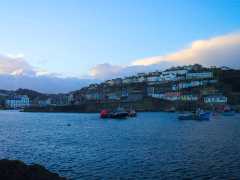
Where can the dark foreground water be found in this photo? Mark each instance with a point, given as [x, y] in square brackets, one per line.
[151, 146]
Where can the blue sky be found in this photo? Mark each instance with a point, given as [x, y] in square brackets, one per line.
[72, 36]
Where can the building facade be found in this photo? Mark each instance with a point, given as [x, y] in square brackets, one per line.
[17, 102]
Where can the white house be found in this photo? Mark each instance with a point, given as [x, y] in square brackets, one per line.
[189, 97]
[168, 76]
[141, 79]
[176, 72]
[215, 99]
[157, 95]
[199, 75]
[128, 80]
[17, 102]
[153, 78]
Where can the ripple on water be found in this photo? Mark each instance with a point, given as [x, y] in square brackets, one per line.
[151, 146]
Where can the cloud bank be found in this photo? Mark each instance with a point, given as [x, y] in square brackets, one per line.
[218, 51]
[222, 50]
[15, 65]
[16, 72]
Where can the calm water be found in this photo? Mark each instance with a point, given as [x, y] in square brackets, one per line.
[151, 146]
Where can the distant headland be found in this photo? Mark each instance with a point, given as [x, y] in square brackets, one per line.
[178, 88]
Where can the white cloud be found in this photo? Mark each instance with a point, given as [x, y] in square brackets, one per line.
[221, 51]
[15, 65]
[108, 71]
[218, 51]
[103, 71]
[16, 72]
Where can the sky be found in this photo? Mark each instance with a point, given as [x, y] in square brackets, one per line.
[100, 39]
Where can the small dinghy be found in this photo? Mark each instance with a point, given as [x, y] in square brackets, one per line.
[203, 116]
[186, 116]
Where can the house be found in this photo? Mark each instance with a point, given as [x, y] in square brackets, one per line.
[191, 84]
[141, 74]
[124, 92]
[199, 75]
[225, 68]
[128, 80]
[44, 103]
[117, 81]
[17, 102]
[109, 82]
[158, 95]
[188, 97]
[93, 86]
[61, 99]
[155, 73]
[215, 99]
[168, 76]
[92, 96]
[176, 72]
[114, 96]
[141, 79]
[172, 96]
[153, 78]
[185, 85]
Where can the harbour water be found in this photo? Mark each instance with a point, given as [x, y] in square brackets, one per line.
[150, 146]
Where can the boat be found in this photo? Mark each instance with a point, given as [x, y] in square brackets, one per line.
[228, 111]
[104, 114]
[132, 113]
[203, 116]
[186, 116]
[198, 115]
[172, 109]
[119, 113]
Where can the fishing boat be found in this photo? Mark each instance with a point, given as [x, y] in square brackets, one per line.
[132, 113]
[119, 113]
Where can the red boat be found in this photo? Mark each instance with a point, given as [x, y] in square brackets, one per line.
[120, 113]
[105, 114]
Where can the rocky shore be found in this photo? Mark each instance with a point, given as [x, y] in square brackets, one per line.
[18, 170]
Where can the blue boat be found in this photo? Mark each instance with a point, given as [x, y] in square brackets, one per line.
[203, 116]
[186, 116]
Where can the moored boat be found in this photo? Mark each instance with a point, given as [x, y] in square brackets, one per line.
[105, 114]
[186, 116]
[203, 116]
[228, 111]
[119, 113]
[132, 113]
[172, 109]
[198, 115]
